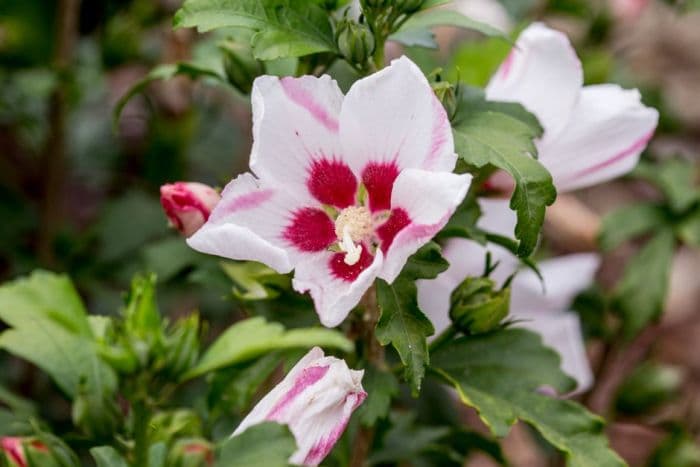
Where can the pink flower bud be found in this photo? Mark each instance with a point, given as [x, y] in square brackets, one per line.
[188, 204]
[13, 451]
[316, 400]
[628, 10]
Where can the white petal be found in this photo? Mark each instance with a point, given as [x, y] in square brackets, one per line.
[609, 130]
[562, 332]
[393, 115]
[333, 297]
[295, 121]
[564, 278]
[248, 222]
[542, 73]
[497, 216]
[429, 198]
[263, 408]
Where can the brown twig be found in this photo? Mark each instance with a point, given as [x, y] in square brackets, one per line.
[53, 159]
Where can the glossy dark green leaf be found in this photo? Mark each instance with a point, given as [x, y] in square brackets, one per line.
[499, 373]
[503, 141]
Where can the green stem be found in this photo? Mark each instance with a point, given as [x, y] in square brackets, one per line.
[379, 52]
[443, 338]
[141, 420]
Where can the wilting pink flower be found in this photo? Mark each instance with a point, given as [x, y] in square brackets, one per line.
[592, 134]
[316, 400]
[541, 306]
[344, 189]
[13, 450]
[188, 204]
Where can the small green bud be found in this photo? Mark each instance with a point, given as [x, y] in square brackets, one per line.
[447, 95]
[191, 453]
[96, 416]
[477, 307]
[240, 66]
[355, 41]
[181, 349]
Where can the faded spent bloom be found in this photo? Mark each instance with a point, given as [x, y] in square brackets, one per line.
[344, 188]
[316, 400]
[188, 205]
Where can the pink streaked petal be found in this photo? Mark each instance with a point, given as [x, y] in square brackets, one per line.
[393, 116]
[428, 199]
[294, 124]
[14, 450]
[332, 182]
[248, 224]
[397, 221]
[323, 447]
[310, 230]
[308, 377]
[610, 130]
[542, 73]
[334, 297]
[301, 93]
[378, 178]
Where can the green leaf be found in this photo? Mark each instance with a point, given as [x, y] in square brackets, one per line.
[381, 387]
[285, 28]
[107, 456]
[255, 281]
[254, 337]
[676, 179]
[688, 229]
[403, 325]
[640, 294]
[44, 295]
[630, 222]
[164, 72]
[419, 25]
[264, 445]
[499, 373]
[426, 263]
[233, 389]
[496, 138]
[406, 439]
[45, 308]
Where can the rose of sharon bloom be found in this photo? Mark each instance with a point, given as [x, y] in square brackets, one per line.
[344, 189]
[541, 306]
[316, 400]
[591, 134]
[13, 450]
[188, 204]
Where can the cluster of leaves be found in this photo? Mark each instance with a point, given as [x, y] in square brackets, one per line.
[124, 375]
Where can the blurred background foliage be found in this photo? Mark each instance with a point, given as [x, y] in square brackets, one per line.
[79, 193]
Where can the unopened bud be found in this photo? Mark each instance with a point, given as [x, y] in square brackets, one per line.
[36, 451]
[188, 204]
[355, 42]
[447, 95]
[96, 415]
[191, 453]
[477, 307]
[240, 66]
[13, 451]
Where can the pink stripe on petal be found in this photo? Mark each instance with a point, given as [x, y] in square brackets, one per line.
[307, 378]
[507, 64]
[323, 447]
[301, 96]
[441, 130]
[332, 182]
[310, 230]
[241, 203]
[13, 448]
[634, 148]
